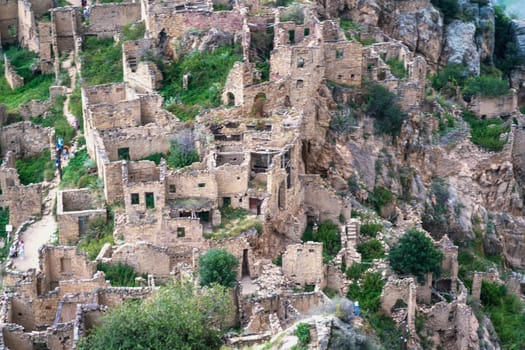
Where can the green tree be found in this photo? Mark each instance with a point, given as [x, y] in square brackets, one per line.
[415, 254]
[382, 106]
[218, 266]
[178, 317]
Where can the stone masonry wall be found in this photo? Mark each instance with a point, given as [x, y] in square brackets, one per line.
[25, 139]
[13, 79]
[106, 19]
[145, 258]
[303, 263]
[8, 20]
[24, 201]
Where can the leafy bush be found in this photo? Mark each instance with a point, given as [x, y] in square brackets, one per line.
[119, 274]
[355, 271]
[75, 106]
[487, 86]
[155, 157]
[368, 293]
[182, 150]
[506, 313]
[177, 317]
[449, 8]
[4, 220]
[415, 254]
[343, 121]
[328, 234]
[380, 197]
[218, 266]
[36, 168]
[101, 61]
[302, 331]
[382, 106]
[370, 250]
[451, 74]
[506, 55]
[208, 74]
[371, 229]
[390, 335]
[78, 167]
[486, 133]
[397, 68]
[133, 31]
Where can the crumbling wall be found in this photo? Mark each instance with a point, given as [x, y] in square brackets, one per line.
[200, 184]
[493, 107]
[8, 21]
[181, 232]
[303, 263]
[140, 74]
[24, 201]
[27, 27]
[75, 210]
[64, 263]
[13, 79]
[115, 296]
[15, 338]
[25, 139]
[45, 48]
[343, 61]
[145, 258]
[321, 201]
[105, 20]
[405, 290]
[232, 182]
[65, 21]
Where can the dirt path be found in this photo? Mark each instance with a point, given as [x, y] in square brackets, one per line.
[42, 231]
[38, 234]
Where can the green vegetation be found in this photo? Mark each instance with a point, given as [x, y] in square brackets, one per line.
[371, 229]
[4, 220]
[101, 61]
[302, 331]
[370, 250]
[355, 271]
[343, 121]
[119, 274]
[80, 171]
[486, 86]
[234, 222]
[177, 317]
[75, 106]
[99, 232]
[155, 157]
[133, 31]
[208, 72]
[415, 254]
[217, 266]
[450, 76]
[397, 68]
[35, 169]
[380, 197]
[328, 234]
[348, 24]
[505, 51]
[449, 8]
[486, 132]
[36, 86]
[390, 336]
[293, 13]
[182, 150]
[368, 292]
[507, 314]
[382, 106]
[55, 118]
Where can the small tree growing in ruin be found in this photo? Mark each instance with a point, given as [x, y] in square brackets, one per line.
[182, 150]
[218, 266]
[415, 254]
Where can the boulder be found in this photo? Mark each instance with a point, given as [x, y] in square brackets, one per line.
[460, 47]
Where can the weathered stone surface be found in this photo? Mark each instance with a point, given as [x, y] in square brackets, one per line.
[460, 45]
[518, 31]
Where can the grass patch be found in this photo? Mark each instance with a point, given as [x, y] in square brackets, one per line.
[101, 61]
[328, 234]
[4, 220]
[119, 274]
[355, 271]
[35, 169]
[370, 229]
[78, 173]
[397, 68]
[36, 87]
[506, 313]
[208, 74]
[368, 291]
[486, 133]
[370, 250]
[98, 234]
[133, 31]
[155, 157]
[75, 106]
[234, 222]
[55, 118]
[486, 86]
